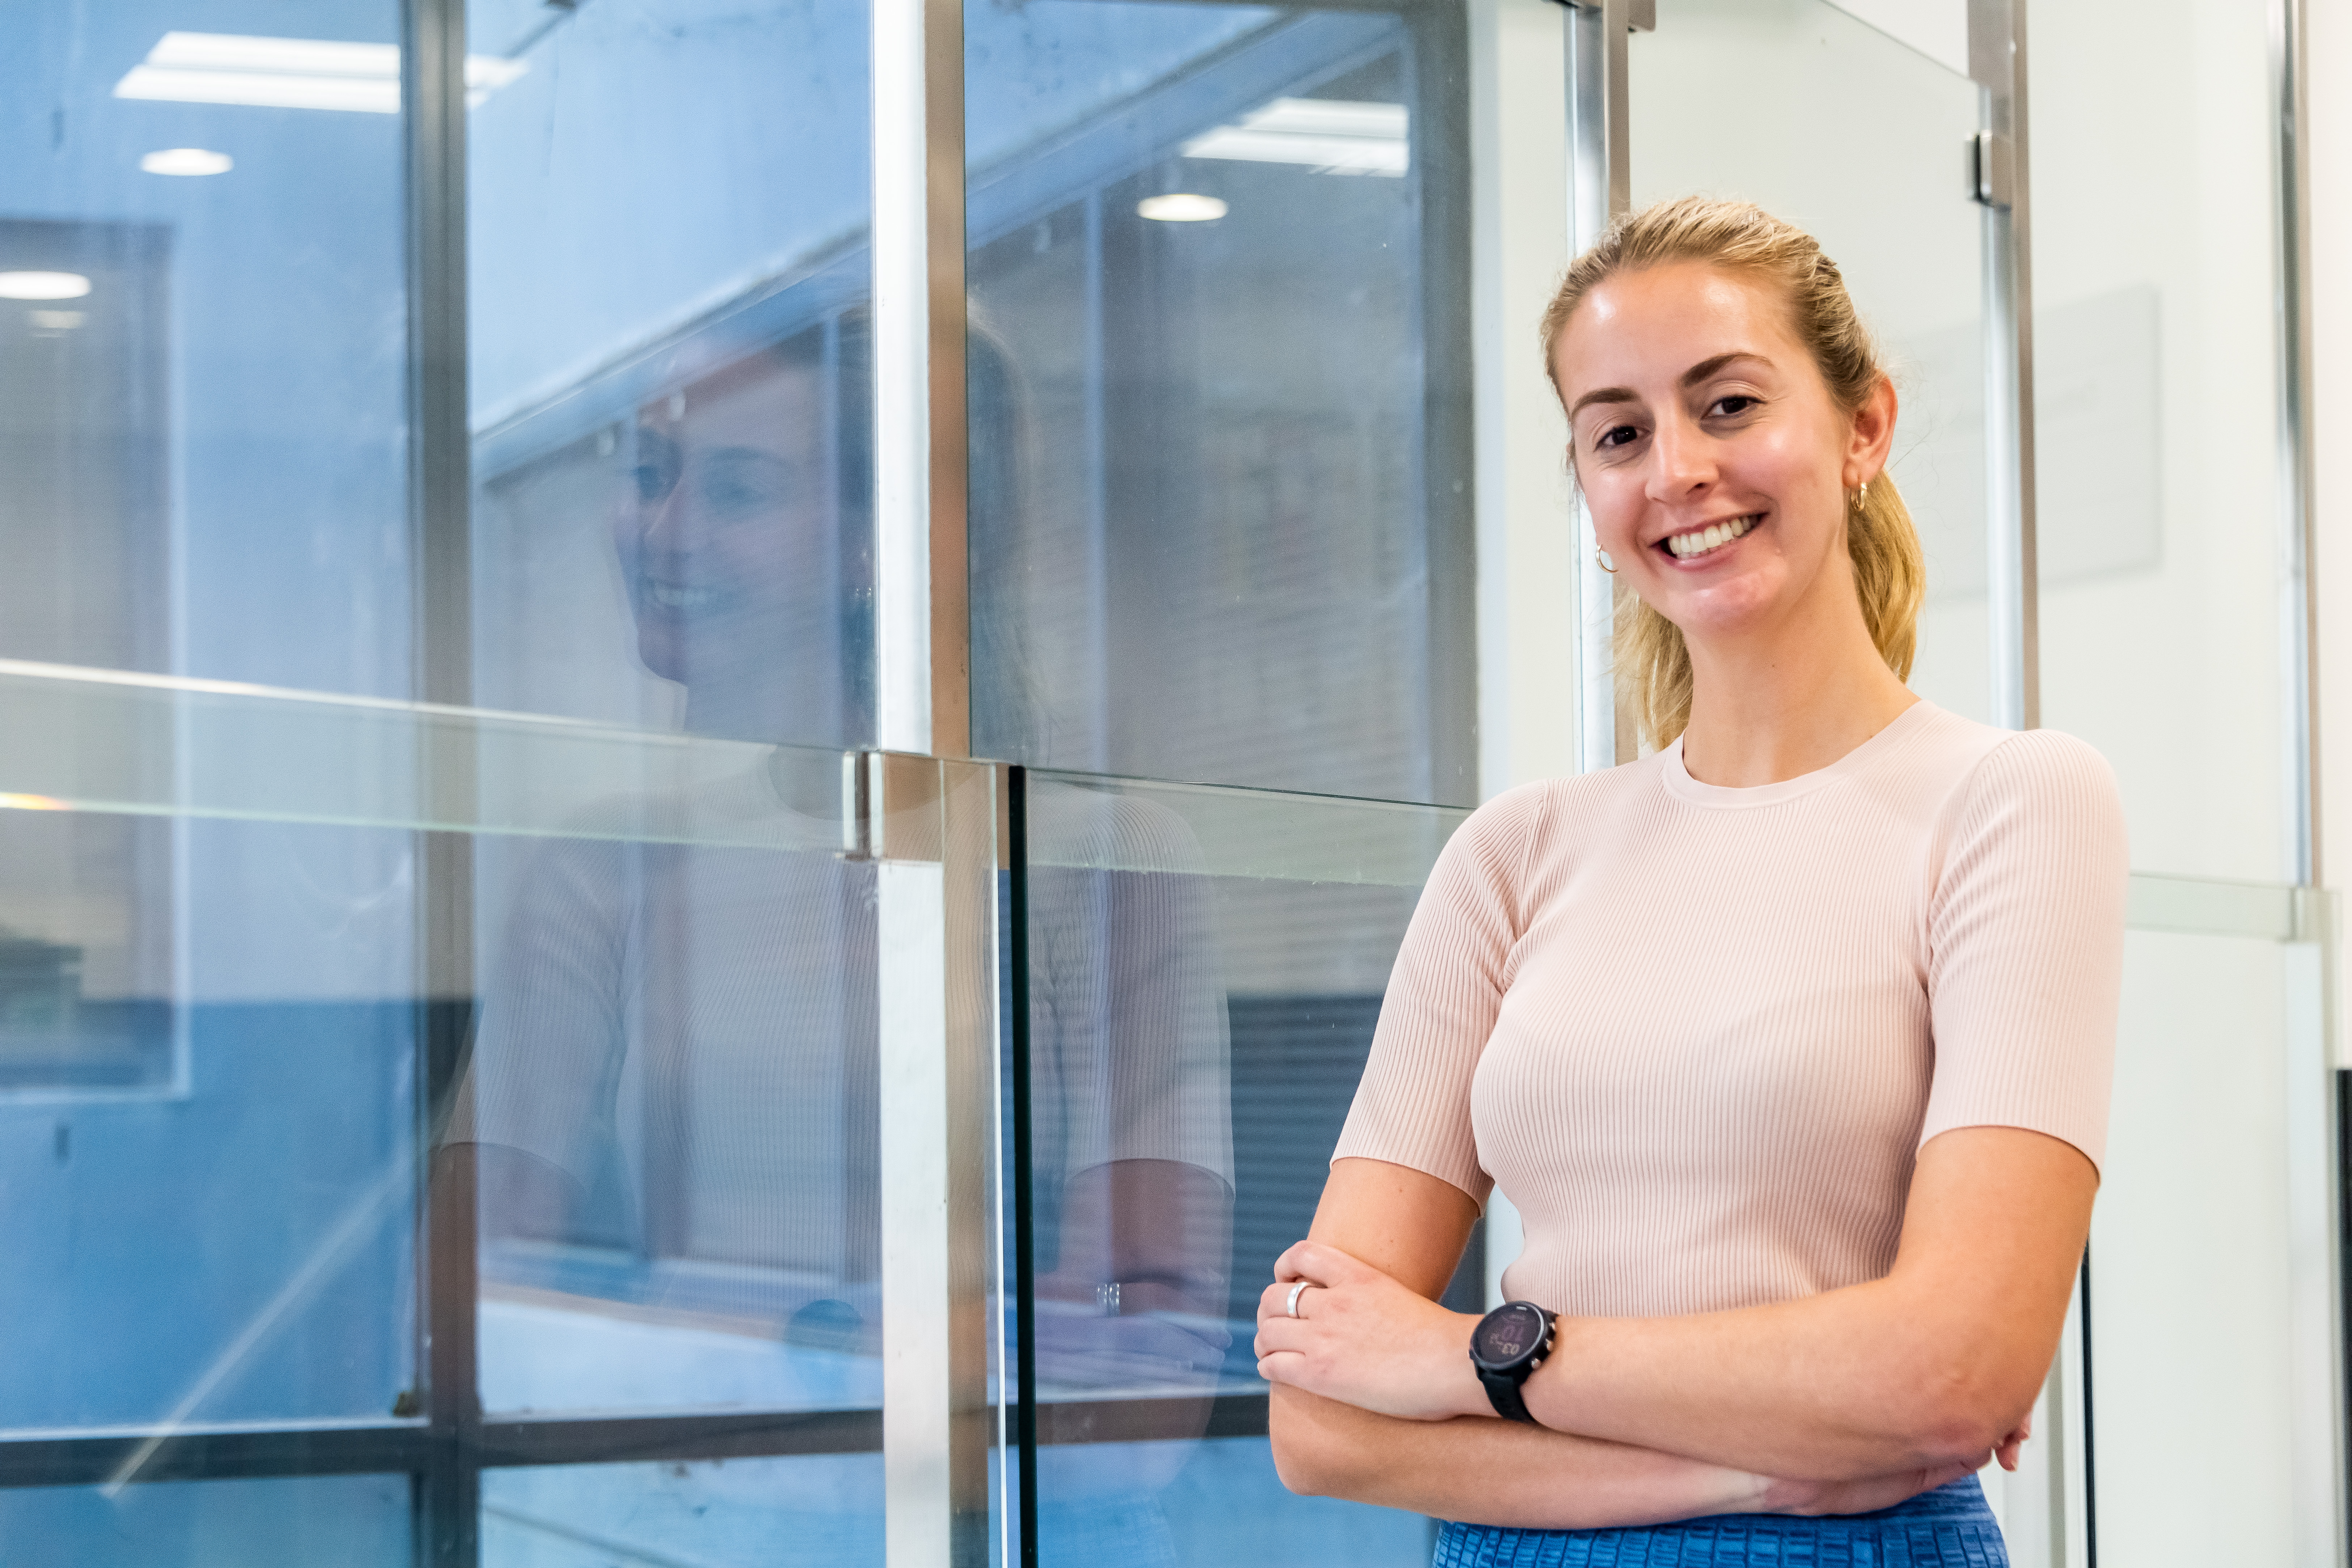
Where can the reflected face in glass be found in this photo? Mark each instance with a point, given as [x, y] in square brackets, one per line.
[1714, 459]
[725, 530]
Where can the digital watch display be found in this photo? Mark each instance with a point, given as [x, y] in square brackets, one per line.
[1510, 1344]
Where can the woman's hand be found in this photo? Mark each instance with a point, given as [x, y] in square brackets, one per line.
[1815, 1498]
[1875, 1492]
[1364, 1339]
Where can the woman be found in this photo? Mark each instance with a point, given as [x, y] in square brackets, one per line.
[1791, 1041]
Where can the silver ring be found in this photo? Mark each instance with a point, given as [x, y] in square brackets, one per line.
[1296, 1292]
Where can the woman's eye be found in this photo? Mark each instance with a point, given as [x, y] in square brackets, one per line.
[1616, 435]
[1738, 402]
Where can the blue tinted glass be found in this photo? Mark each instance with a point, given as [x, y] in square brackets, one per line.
[350, 1522]
[1220, 503]
[206, 1058]
[733, 1513]
[1204, 971]
[675, 1089]
[667, 214]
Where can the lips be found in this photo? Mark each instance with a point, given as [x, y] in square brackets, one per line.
[677, 596]
[1693, 543]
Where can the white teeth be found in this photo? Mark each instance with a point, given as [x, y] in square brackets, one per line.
[1698, 542]
[670, 596]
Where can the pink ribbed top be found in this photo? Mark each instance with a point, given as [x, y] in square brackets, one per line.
[1697, 1034]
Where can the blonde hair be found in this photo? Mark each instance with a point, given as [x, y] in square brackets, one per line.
[1653, 666]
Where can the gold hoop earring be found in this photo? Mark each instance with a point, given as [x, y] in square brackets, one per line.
[1860, 494]
[1606, 563]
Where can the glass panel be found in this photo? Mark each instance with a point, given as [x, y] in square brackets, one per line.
[352, 1521]
[673, 520]
[2158, 428]
[203, 435]
[722, 1513]
[202, 400]
[2195, 1264]
[675, 1087]
[1891, 207]
[1204, 969]
[729, 854]
[1219, 371]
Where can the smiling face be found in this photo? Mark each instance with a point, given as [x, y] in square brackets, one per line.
[1714, 461]
[725, 533]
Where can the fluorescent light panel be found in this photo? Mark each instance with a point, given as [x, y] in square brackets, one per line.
[43, 286]
[1330, 136]
[290, 73]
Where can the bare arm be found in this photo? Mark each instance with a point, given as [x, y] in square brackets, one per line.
[1412, 1227]
[1933, 1363]
[1926, 1370]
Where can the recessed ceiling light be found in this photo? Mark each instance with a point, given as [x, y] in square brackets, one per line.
[187, 160]
[1181, 208]
[1331, 136]
[43, 286]
[290, 73]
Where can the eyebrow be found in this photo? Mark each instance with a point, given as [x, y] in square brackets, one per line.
[1692, 377]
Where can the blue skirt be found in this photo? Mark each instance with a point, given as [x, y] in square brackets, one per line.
[1947, 1528]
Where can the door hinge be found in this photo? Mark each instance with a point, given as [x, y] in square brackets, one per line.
[1992, 169]
[1641, 16]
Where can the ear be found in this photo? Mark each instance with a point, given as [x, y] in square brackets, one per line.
[1872, 436]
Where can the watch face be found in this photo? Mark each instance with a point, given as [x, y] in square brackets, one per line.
[1506, 1334]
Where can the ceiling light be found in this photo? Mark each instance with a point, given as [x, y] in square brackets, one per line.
[1181, 208]
[290, 73]
[43, 286]
[187, 160]
[1331, 136]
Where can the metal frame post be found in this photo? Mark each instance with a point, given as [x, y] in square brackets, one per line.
[933, 833]
[1601, 191]
[1997, 64]
[2315, 1153]
[922, 618]
[447, 1491]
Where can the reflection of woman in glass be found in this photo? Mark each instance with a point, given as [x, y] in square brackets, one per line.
[677, 1057]
[1791, 1041]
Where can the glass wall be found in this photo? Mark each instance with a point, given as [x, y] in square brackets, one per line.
[2158, 428]
[1221, 515]
[207, 1058]
[1205, 968]
[1892, 209]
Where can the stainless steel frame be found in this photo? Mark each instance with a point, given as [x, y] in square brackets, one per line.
[2315, 1152]
[922, 630]
[448, 1483]
[1601, 185]
[1997, 59]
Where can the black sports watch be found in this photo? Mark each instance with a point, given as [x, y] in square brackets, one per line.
[1508, 1344]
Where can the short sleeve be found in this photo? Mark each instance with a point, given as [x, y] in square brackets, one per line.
[2025, 941]
[1413, 1106]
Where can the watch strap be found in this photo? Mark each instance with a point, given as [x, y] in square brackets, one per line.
[1503, 1393]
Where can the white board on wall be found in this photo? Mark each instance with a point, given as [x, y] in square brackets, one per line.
[1937, 28]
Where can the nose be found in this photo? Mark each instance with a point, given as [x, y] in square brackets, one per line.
[666, 523]
[1682, 460]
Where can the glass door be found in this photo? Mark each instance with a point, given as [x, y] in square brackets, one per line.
[1860, 137]
[1203, 969]
[2210, 1284]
